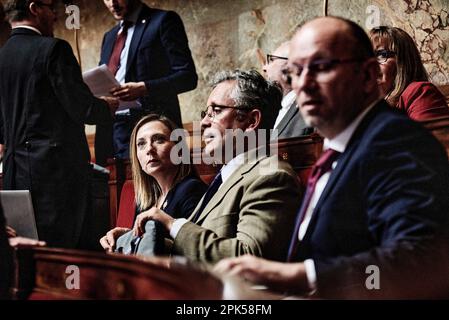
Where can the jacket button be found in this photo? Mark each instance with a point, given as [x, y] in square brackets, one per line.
[27, 145]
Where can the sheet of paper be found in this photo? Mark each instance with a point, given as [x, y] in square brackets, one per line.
[101, 81]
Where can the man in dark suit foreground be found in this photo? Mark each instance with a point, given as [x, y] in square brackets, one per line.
[43, 108]
[154, 65]
[374, 224]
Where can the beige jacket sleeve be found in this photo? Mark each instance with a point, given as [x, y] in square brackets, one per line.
[255, 215]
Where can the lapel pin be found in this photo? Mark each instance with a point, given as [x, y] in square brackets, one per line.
[143, 21]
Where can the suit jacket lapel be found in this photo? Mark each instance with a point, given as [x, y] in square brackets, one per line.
[109, 45]
[225, 188]
[139, 29]
[287, 118]
[342, 163]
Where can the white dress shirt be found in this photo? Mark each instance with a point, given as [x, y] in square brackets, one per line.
[121, 72]
[286, 103]
[226, 171]
[338, 143]
[28, 27]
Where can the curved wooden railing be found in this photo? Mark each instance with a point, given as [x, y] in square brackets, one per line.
[49, 273]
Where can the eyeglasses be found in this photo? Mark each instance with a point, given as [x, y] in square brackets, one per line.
[50, 6]
[321, 69]
[214, 111]
[383, 55]
[271, 58]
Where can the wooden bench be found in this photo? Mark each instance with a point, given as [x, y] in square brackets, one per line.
[49, 273]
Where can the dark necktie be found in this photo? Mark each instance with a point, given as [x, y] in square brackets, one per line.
[213, 187]
[323, 165]
[119, 44]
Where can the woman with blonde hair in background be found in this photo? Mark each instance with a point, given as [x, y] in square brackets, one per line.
[404, 80]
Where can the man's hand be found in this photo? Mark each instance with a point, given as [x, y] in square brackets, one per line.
[279, 276]
[113, 104]
[25, 242]
[11, 232]
[108, 241]
[130, 91]
[152, 214]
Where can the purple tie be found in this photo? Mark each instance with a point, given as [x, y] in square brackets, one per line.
[213, 188]
[323, 165]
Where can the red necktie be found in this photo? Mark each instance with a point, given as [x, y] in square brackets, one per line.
[323, 165]
[119, 44]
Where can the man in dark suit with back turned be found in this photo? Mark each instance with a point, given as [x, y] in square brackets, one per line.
[153, 65]
[374, 220]
[44, 105]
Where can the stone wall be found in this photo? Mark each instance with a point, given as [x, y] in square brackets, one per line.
[4, 26]
[228, 34]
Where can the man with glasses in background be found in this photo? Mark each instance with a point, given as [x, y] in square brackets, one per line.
[289, 122]
[374, 220]
[43, 108]
[251, 204]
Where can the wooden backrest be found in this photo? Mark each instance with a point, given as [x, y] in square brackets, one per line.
[440, 129]
[300, 152]
[43, 273]
[120, 172]
[445, 91]
[127, 206]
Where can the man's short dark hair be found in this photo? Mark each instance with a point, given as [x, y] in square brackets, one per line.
[17, 10]
[252, 91]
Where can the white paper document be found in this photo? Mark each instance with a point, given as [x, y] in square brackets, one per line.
[101, 81]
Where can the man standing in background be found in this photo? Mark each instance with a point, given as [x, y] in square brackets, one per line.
[43, 108]
[149, 55]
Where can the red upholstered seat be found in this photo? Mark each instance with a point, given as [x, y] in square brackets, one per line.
[127, 207]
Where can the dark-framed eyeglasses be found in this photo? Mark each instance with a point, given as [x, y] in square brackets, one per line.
[383, 55]
[215, 110]
[321, 69]
[50, 6]
[271, 58]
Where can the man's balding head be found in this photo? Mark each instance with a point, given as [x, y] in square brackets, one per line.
[273, 69]
[334, 73]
